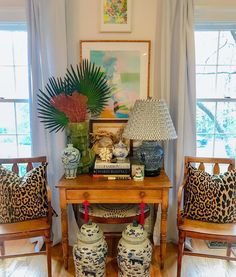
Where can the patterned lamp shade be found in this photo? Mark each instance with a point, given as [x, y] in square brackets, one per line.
[150, 120]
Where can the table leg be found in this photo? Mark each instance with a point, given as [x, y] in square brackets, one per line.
[64, 227]
[164, 208]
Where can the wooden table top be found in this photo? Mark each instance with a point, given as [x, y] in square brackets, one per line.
[86, 181]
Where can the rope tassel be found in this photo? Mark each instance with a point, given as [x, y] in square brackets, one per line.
[142, 218]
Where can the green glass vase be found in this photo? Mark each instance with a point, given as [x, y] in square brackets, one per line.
[78, 135]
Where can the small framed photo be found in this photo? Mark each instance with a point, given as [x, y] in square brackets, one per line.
[107, 132]
[137, 172]
[115, 16]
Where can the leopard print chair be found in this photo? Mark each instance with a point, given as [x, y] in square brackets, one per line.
[208, 205]
[25, 204]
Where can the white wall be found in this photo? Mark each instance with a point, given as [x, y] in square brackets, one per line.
[12, 3]
[12, 10]
[84, 16]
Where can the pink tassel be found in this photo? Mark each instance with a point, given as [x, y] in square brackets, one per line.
[86, 214]
[142, 218]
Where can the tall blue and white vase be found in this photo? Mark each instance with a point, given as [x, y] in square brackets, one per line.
[70, 157]
[90, 252]
[134, 252]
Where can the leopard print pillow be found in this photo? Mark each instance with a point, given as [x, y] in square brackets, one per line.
[210, 198]
[23, 198]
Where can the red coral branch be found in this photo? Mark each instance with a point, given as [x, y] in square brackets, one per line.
[74, 106]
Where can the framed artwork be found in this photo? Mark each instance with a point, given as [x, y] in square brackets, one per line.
[115, 16]
[115, 127]
[127, 66]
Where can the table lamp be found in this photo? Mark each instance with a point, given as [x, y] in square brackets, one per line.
[150, 122]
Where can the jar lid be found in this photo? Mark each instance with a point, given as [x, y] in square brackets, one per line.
[89, 233]
[134, 233]
[120, 144]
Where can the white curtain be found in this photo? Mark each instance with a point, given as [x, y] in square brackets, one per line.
[46, 21]
[175, 83]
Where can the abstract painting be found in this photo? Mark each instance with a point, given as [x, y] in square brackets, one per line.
[126, 64]
[115, 15]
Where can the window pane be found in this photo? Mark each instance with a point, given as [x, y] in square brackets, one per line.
[227, 49]
[8, 146]
[6, 47]
[7, 118]
[226, 81]
[15, 138]
[216, 82]
[226, 118]
[230, 146]
[225, 146]
[205, 81]
[206, 55]
[22, 112]
[205, 145]
[20, 48]
[24, 146]
[22, 90]
[7, 82]
[205, 117]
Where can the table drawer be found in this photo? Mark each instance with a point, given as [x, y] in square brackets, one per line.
[114, 196]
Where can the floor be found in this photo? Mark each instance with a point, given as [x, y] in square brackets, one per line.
[192, 266]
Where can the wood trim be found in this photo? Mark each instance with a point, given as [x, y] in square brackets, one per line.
[41, 159]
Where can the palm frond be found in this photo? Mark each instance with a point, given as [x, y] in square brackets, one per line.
[86, 79]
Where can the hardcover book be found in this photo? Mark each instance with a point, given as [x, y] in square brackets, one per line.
[111, 170]
[121, 164]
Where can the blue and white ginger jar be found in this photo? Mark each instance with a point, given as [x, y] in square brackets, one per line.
[90, 252]
[70, 157]
[134, 252]
[120, 150]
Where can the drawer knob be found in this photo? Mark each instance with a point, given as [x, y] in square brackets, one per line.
[142, 194]
[86, 195]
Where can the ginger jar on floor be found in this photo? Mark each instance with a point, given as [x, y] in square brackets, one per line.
[134, 252]
[90, 252]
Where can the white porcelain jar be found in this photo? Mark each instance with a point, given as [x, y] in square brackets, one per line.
[134, 252]
[90, 252]
[120, 151]
[70, 157]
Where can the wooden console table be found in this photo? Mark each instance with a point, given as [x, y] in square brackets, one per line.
[152, 190]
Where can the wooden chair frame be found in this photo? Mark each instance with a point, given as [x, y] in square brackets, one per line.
[203, 230]
[30, 228]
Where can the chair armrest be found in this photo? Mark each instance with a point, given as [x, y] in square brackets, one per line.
[180, 197]
[49, 196]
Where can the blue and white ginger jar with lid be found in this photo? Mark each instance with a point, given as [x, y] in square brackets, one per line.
[90, 252]
[134, 252]
[70, 157]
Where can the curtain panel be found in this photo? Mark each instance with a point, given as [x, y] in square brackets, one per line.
[175, 83]
[47, 43]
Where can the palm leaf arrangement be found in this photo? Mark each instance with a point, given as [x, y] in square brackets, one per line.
[83, 90]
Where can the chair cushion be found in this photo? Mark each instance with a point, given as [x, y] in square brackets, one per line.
[210, 197]
[23, 198]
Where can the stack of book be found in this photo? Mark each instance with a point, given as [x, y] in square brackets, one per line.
[112, 170]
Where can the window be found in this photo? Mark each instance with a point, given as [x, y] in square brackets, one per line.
[15, 139]
[216, 91]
